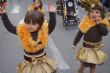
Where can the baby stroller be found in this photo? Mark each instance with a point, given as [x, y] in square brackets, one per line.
[70, 13]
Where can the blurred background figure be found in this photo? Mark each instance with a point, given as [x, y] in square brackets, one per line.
[37, 4]
[106, 4]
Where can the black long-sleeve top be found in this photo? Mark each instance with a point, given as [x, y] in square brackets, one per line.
[93, 35]
[9, 26]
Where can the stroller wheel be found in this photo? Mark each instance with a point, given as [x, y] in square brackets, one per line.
[66, 28]
[76, 22]
[58, 12]
[65, 24]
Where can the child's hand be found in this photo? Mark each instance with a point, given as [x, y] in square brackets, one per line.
[3, 7]
[73, 46]
[98, 20]
[2, 10]
[51, 7]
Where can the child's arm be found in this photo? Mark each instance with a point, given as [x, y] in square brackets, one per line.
[6, 21]
[77, 38]
[102, 29]
[8, 24]
[52, 21]
[52, 17]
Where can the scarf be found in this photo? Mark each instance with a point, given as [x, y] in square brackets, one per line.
[28, 44]
[87, 23]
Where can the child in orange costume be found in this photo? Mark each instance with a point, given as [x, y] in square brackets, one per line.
[37, 4]
[93, 27]
[33, 35]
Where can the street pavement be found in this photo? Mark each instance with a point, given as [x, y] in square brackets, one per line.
[59, 47]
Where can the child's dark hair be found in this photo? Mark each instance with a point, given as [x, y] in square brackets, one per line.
[34, 17]
[98, 7]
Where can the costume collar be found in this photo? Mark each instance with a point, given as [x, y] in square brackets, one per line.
[87, 23]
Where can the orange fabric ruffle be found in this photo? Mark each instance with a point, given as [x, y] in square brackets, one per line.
[87, 23]
[28, 43]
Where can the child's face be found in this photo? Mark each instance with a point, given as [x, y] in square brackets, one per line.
[32, 28]
[36, 4]
[93, 14]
